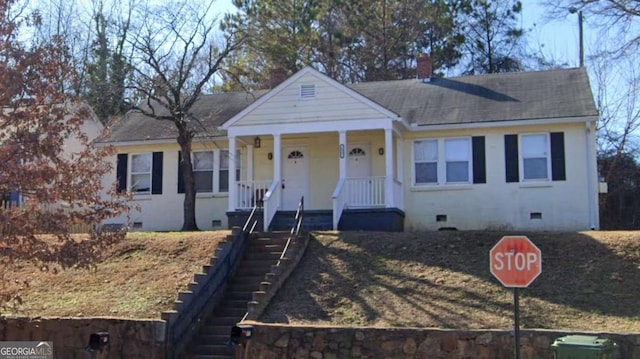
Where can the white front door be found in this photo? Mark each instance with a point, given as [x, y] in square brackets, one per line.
[359, 161]
[295, 176]
[359, 185]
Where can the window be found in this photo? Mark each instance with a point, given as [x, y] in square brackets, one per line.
[457, 153]
[535, 157]
[426, 161]
[442, 161]
[203, 171]
[141, 173]
[211, 171]
[223, 176]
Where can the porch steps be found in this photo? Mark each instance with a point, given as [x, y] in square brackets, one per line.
[259, 256]
[318, 220]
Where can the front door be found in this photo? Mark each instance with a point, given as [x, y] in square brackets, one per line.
[359, 184]
[359, 161]
[295, 176]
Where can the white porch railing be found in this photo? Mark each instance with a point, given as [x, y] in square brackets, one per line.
[339, 202]
[271, 203]
[365, 192]
[398, 194]
[250, 193]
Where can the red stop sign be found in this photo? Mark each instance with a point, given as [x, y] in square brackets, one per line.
[515, 261]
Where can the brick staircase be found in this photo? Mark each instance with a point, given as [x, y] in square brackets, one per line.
[262, 252]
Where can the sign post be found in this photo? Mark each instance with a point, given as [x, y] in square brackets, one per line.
[516, 262]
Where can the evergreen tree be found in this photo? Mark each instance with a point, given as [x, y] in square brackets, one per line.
[493, 36]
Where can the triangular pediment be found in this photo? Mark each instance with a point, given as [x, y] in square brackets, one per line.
[309, 96]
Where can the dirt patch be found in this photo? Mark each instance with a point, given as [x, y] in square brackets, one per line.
[138, 277]
[589, 281]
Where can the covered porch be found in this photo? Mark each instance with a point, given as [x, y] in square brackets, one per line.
[350, 177]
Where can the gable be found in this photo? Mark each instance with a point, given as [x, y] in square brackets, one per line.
[310, 97]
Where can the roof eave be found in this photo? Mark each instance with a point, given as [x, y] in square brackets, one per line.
[504, 123]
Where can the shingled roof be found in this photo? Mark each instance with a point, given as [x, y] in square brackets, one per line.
[210, 110]
[561, 93]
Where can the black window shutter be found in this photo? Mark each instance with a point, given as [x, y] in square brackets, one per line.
[121, 171]
[180, 176]
[558, 171]
[511, 158]
[156, 176]
[479, 160]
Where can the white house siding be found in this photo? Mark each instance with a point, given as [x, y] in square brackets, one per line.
[164, 212]
[330, 104]
[497, 205]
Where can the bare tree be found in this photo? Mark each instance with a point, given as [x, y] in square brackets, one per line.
[175, 59]
[619, 18]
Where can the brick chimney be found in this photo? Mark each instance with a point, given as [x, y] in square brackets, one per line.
[278, 75]
[425, 67]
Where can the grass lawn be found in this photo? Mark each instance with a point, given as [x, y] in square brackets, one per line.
[136, 278]
[589, 281]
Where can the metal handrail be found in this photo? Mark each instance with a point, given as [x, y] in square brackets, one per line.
[295, 229]
[246, 224]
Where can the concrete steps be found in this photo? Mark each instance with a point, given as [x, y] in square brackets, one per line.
[262, 252]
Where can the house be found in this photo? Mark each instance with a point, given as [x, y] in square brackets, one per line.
[498, 151]
[91, 128]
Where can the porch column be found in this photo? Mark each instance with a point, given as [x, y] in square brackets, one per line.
[249, 162]
[277, 163]
[400, 169]
[343, 153]
[388, 145]
[399, 159]
[232, 174]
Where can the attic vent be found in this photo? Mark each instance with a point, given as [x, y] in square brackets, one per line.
[307, 91]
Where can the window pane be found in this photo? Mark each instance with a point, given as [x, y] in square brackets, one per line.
[458, 171]
[141, 183]
[457, 149]
[426, 172]
[224, 180]
[535, 168]
[534, 146]
[224, 159]
[141, 163]
[203, 161]
[426, 151]
[203, 181]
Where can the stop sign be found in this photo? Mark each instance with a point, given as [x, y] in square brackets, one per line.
[515, 261]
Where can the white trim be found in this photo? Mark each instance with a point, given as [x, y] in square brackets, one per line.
[331, 82]
[592, 172]
[506, 123]
[311, 127]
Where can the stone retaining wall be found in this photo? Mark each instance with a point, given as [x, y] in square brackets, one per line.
[129, 338]
[273, 341]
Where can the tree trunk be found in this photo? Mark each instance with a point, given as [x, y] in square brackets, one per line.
[189, 224]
